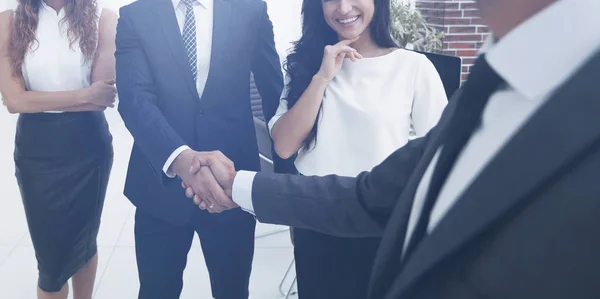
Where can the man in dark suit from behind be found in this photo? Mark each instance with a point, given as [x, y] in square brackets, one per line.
[183, 74]
[501, 199]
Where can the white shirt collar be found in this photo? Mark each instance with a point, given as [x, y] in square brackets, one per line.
[543, 52]
[204, 3]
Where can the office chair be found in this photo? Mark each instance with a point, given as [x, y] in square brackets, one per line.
[264, 145]
[266, 163]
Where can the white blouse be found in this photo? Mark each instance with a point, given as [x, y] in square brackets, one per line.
[52, 64]
[371, 108]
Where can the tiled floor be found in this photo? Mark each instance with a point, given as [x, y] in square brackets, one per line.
[117, 273]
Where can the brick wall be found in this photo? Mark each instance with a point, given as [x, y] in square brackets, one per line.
[460, 22]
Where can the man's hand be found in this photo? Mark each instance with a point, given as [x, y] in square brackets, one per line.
[200, 183]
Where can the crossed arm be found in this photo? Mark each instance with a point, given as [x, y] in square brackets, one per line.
[98, 97]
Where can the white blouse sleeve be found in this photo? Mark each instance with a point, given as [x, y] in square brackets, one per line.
[429, 98]
[283, 105]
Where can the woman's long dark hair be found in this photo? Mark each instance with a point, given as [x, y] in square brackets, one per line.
[305, 59]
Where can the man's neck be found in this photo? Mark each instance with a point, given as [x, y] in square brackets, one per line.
[502, 16]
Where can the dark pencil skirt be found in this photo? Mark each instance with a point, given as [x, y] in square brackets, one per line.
[63, 162]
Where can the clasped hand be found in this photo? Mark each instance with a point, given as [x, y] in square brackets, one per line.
[208, 179]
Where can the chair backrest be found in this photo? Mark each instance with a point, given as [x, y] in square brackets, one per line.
[268, 161]
[449, 68]
[255, 100]
[264, 145]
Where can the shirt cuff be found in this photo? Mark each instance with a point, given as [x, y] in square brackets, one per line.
[241, 191]
[172, 158]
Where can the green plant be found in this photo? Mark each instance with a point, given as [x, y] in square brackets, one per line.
[410, 30]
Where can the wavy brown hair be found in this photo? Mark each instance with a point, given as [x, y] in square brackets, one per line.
[81, 17]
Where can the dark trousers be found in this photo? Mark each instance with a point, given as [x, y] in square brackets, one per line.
[227, 241]
[333, 268]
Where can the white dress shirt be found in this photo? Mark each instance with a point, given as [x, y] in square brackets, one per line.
[533, 64]
[204, 14]
[370, 109]
[52, 64]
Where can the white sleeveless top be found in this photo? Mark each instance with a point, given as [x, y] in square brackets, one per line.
[370, 109]
[52, 64]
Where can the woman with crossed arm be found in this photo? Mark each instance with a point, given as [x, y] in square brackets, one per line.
[57, 71]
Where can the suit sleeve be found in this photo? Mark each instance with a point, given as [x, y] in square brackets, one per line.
[266, 66]
[334, 205]
[138, 100]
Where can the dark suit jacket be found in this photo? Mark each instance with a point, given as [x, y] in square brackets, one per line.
[527, 227]
[161, 107]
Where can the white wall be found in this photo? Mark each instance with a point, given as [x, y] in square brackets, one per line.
[7, 4]
[287, 23]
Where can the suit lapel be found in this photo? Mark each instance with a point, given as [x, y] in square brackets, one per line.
[221, 24]
[165, 14]
[387, 262]
[548, 144]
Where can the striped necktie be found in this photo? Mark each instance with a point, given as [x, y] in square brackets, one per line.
[189, 36]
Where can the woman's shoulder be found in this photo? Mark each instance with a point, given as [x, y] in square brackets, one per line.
[107, 18]
[107, 15]
[419, 63]
[5, 21]
[105, 11]
[6, 16]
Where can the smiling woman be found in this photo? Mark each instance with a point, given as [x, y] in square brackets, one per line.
[352, 98]
[347, 20]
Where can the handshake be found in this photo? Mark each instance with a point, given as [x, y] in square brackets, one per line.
[207, 177]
